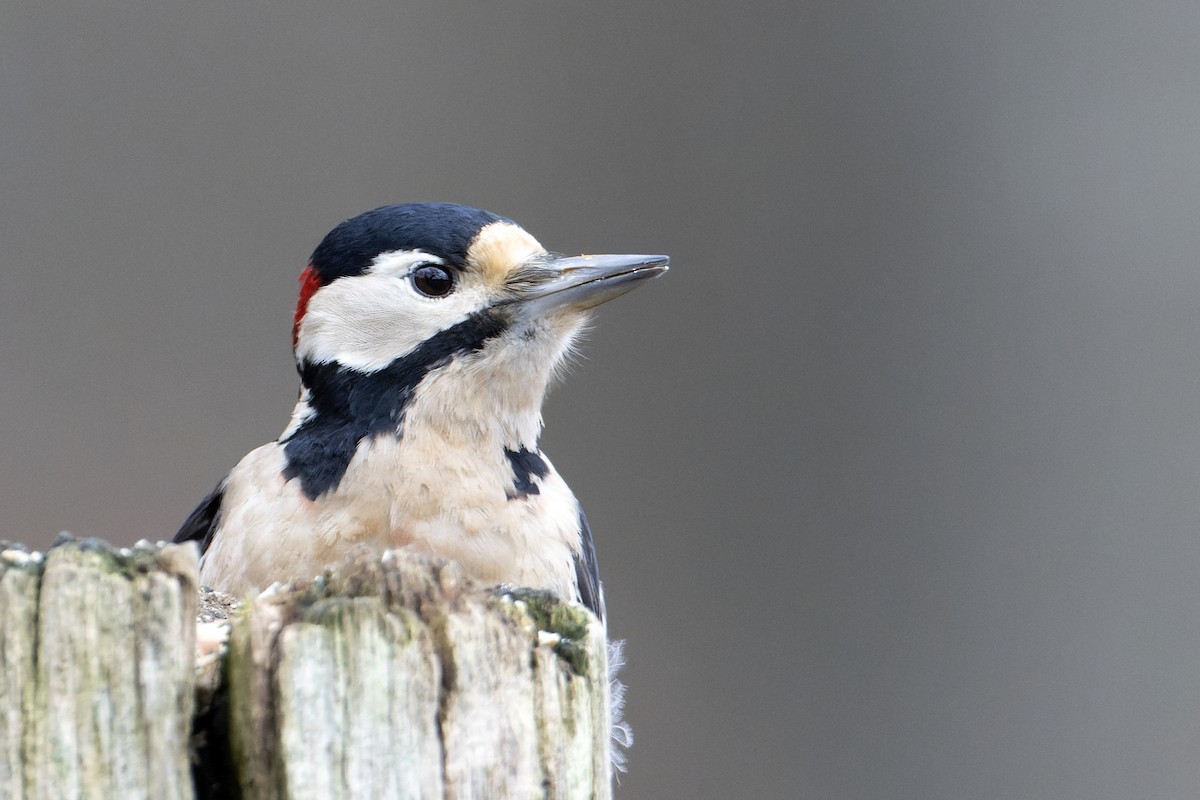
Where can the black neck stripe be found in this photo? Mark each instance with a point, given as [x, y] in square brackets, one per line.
[350, 405]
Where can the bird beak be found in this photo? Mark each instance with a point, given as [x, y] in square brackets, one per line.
[583, 282]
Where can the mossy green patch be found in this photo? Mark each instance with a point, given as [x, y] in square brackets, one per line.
[570, 622]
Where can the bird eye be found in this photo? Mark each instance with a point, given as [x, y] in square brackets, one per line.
[432, 281]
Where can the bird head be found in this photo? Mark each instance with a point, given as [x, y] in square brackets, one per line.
[409, 292]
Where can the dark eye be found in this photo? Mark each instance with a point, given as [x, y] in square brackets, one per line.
[432, 281]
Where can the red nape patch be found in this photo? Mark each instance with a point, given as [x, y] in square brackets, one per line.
[310, 281]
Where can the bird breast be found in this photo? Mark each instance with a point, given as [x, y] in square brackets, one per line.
[450, 500]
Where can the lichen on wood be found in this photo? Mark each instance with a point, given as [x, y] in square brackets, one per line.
[394, 676]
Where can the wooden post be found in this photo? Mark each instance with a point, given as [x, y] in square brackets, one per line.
[98, 659]
[391, 676]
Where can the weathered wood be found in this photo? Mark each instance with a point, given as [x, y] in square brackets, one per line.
[395, 677]
[98, 671]
[392, 676]
[20, 576]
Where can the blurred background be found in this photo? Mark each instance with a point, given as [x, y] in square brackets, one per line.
[893, 478]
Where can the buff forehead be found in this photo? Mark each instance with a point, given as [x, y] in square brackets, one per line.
[500, 247]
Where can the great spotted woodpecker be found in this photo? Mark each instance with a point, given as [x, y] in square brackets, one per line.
[425, 336]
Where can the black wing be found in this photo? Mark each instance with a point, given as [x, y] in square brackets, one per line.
[202, 523]
[587, 571]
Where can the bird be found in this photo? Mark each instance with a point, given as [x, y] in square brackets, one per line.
[425, 337]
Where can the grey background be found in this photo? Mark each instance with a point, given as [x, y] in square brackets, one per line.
[894, 477]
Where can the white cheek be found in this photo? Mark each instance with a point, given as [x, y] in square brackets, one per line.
[367, 321]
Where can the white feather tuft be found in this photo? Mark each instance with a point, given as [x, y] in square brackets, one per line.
[622, 734]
